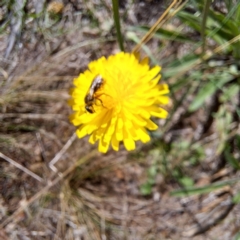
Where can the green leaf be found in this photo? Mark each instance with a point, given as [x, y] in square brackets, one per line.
[146, 189]
[152, 171]
[186, 181]
[215, 83]
[226, 27]
[238, 112]
[238, 141]
[237, 236]
[233, 161]
[236, 198]
[237, 15]
[193, 21]
[230, 92]
[203, 94]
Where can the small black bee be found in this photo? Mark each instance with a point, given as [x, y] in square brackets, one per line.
[90, 99]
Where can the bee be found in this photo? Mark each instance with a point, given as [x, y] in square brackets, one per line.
[90, 99]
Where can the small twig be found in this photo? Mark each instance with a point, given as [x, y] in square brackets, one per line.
[19, 166]
[61, 152]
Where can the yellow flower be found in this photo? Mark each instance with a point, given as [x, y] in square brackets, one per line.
[114, 100]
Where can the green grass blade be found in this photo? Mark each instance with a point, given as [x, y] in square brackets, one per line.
[232, 160]
[236, 198]
[204, 21]
[201, 190]
[164, 34]
[181, 65]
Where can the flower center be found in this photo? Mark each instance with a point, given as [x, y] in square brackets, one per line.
[107, 101]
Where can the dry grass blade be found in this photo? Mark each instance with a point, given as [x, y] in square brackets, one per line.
[19, 166]
[4, 73]
[159, 22]
[61, 152]
[222, 47]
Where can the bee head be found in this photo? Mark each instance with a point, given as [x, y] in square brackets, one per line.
[89, 109]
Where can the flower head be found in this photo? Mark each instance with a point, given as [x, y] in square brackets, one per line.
[114, 100]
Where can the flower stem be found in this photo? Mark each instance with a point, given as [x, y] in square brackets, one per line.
[117, 23]
[205, 13]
